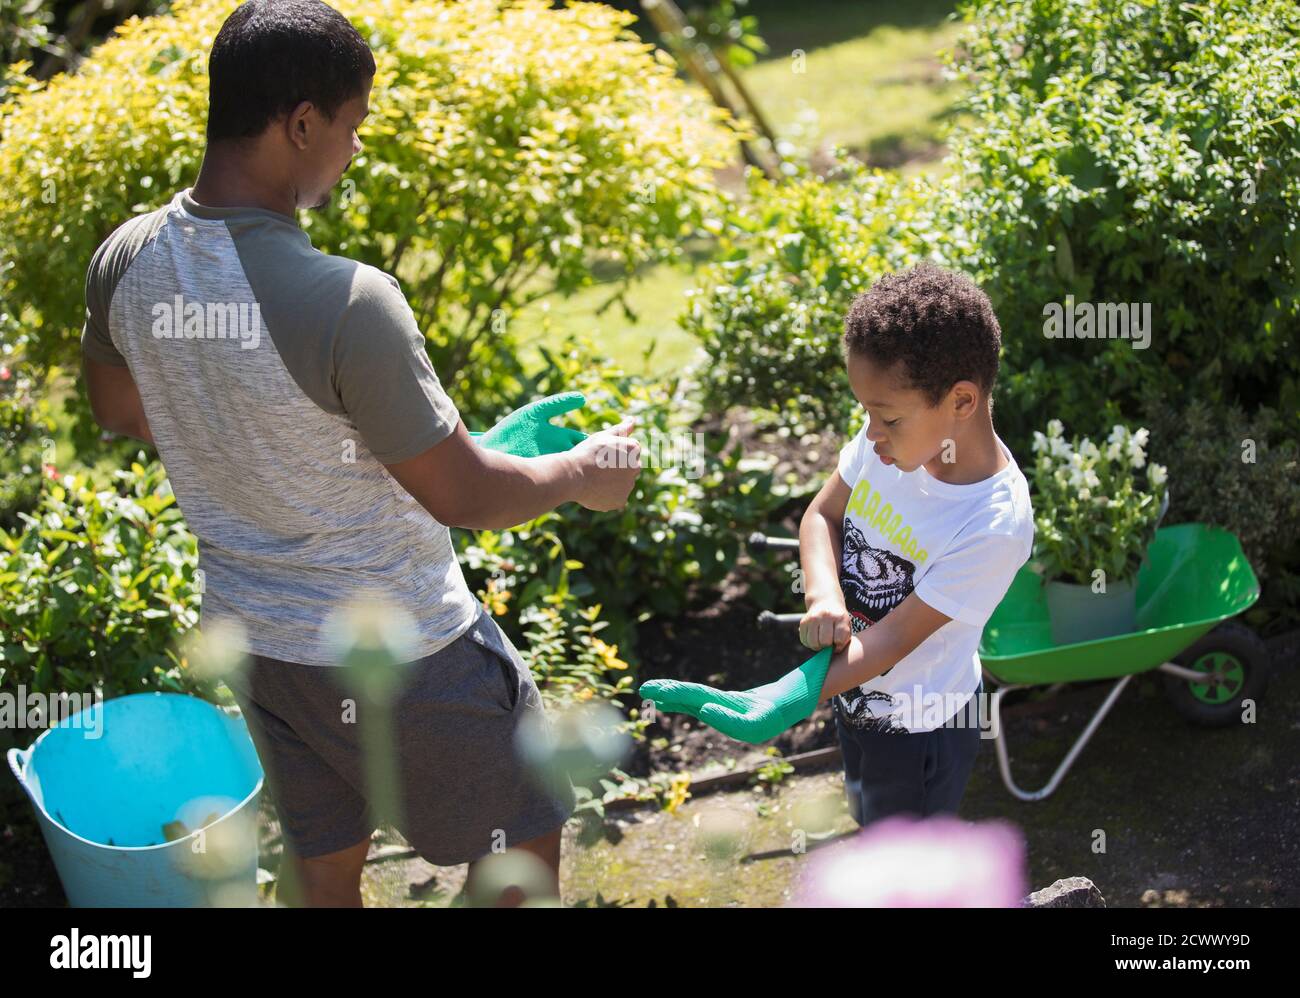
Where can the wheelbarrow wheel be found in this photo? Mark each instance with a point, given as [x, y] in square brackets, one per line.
[1241, 661]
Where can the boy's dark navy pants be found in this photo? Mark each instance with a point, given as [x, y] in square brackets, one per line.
[920, 774]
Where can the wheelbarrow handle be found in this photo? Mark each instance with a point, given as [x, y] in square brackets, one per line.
[768, 619]
[760, 542]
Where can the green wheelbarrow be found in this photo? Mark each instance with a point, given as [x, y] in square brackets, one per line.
[1194, 578]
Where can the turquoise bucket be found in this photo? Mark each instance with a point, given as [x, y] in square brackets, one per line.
[105, 780]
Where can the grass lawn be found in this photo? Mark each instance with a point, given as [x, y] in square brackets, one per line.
[656, 297]
[870, 83]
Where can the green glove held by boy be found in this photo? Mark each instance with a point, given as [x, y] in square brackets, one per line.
[528, 432]
[751, 715]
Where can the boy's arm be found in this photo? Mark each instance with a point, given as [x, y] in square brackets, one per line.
[827, 621]
[883, 645]
[764, 712]
[819, 541]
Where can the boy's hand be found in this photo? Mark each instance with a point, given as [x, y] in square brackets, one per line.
[827, 622]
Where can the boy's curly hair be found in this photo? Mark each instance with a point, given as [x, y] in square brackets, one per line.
[936, 321]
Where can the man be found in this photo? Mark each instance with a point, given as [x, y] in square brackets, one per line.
[317, 458]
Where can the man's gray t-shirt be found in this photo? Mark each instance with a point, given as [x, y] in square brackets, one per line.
[276, 379]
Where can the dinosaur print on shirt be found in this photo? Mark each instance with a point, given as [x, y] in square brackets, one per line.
[874, 581]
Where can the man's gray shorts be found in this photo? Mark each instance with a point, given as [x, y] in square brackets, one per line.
[464, 787]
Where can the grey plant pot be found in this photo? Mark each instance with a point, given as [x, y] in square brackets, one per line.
[1078, 614]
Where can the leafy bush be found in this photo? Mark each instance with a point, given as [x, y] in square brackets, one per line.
[681, 531]
[1138, 152]
[1142, 151]
[53, 30]
[1240, 472]
[511, 143]
[556, 633]
[770, 310]
[25, 425]
[97, 587]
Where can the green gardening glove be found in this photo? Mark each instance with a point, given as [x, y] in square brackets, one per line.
[750, 715]
[528, 432]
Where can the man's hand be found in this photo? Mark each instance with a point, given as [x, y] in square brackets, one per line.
[607, 463]
[827, 622]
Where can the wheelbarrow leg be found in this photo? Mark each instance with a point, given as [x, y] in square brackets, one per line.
[1000, 741]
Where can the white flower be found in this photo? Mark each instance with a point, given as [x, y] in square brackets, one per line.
[1091, 479]
[1157, 474]
[1085, 494]
[1117, 434]
[1040, 442]
[1089, 450]
[1055, 427]
[1059, 447]
[1113, 451]
[1076, 459]
[1141, 436]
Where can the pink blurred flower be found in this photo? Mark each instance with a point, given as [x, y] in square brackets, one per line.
[4, 373]
[907, 862]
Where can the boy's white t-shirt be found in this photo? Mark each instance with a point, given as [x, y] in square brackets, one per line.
[957, 546]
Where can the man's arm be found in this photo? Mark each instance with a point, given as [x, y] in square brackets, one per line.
[883, 645]
[464, 485]
[115, 400]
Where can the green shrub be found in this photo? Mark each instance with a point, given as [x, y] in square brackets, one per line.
[511, 143]
[25, 426]
[528, 586]
[769, 311]
[682, 530]
[1133, 152]
[97, 587]
[1240, 472]
[1142, 151]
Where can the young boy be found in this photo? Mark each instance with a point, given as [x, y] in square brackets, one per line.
[906, 551]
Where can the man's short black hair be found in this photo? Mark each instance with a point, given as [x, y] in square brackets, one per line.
[937, 322]
[270, 55]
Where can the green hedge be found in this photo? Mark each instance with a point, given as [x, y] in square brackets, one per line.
[485, 181]
[97, 587]
[769, 311]
[1148, 152]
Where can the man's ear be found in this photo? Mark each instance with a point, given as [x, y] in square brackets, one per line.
[298, 123]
